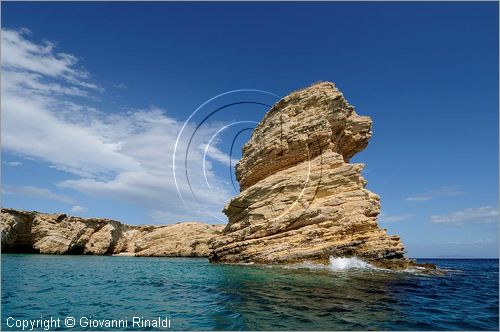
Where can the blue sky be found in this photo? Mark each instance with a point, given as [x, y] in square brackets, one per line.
[95, 94]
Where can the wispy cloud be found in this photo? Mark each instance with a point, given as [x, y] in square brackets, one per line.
[40, 120]
[431, 194]
[481, 215]
[125, 156]
[120, 86]
[41, 60]
[79, 209]
[36, 192]
[216, 154]
[395, 217]
[485, 240]
[14, 163]
[418, 198]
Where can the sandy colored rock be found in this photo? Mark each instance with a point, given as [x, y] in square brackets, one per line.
[24, 231]
[301, 199]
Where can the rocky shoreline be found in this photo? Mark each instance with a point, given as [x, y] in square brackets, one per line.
[35, 232]
[59, 234]
[301, 200]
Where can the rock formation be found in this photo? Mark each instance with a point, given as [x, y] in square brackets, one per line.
[35, 232]
[301, 199]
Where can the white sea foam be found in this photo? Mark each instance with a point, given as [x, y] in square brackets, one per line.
[345, 264]
[306, 265]
[414, 269]
[348, 263]
[335, 264]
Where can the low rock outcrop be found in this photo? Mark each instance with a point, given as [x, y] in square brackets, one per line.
[34, 232]
[301, 199]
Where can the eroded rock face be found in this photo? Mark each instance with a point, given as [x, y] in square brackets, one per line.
[301, 199]
[24, 231]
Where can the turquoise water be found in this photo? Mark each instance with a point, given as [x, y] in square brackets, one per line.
[197, 295]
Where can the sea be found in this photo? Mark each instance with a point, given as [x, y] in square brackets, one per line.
[93, 292]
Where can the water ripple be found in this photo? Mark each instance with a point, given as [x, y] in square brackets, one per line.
[198, 295]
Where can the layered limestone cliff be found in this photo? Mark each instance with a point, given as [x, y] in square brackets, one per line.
[34, 232]
[301, 199]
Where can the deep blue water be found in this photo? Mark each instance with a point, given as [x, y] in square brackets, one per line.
[197, 295]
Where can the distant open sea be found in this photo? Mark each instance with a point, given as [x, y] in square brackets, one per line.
[197, 295]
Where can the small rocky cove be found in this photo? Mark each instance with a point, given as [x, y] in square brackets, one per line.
[301, 200]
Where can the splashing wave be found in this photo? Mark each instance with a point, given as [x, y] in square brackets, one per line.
[335, 264]
[348, 263]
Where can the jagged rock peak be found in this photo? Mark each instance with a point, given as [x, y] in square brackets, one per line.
[299, 127]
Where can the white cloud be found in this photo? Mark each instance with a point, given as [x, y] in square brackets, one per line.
[431, 194]
[20, 54]
[481, 215]
[395, 217]
[418, 198]
[38, 117]
[218, 155]
[36, 192]
[79, 209]
[148, 138]
[120, 86]
[124, 156]
[14, 163]
[485, 240]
